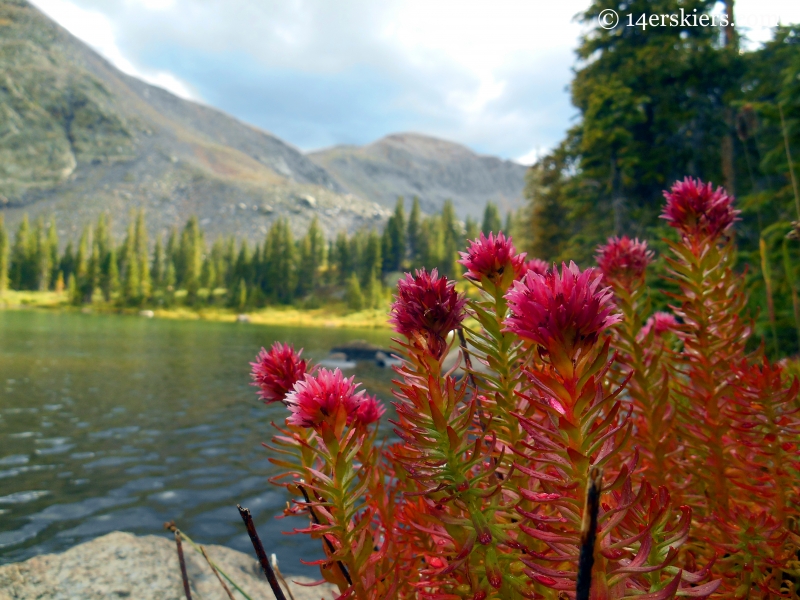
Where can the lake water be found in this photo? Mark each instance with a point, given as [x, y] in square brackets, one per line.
[122, 423]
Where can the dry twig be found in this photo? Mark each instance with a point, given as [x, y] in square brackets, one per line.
[260, 553]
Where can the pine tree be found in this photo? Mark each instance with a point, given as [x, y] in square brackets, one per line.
[471, 230]
[330, 270]
[413, 233]
[110, 280]
[548, 231]
[342, 259]
[220, 266]
[394, 239]
[430, 245]
[157, 268]
[170, 283]
[453, 240]
[209, 277]
[189, 261]
[3, 256]
[353, 295]
[83, 284]
[371, 261]
[67, 263]
[131, 284]
[145, 283]
[373, 292]
[508, 228]
[102, 234]
[72, 290]
[229, 259]
[281, 271]
[491, 219]
[92, 281]
[312, 255]
[40, 252]
[53, 261]
[241, 268]
[240, 295]
[20, 260]
[171, 253]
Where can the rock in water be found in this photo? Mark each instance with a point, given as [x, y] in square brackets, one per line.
[123, 565]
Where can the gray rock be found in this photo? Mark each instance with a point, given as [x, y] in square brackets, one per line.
[409, 164]
[123, 565]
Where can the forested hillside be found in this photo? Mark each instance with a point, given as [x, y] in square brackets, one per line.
[185, 268]
[662, 103]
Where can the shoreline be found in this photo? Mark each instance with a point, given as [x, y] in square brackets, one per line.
[334, 316]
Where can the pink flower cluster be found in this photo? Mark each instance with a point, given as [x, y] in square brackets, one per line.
[537, 265]
[660, 323]
[276, 371]
[491, 257]
[561, 312]
[623, 259]
[697, 209]
[427, 305]
[320, 397]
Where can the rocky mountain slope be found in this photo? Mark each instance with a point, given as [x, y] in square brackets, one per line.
[78, 137]
[409, 164]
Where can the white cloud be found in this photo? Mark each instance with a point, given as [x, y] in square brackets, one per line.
[99, 32]
[155, 5]
[530, 158]
[491, 75]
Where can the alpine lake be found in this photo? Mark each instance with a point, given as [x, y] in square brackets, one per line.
[111, 422]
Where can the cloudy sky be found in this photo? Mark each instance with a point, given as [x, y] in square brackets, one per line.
[490, 74]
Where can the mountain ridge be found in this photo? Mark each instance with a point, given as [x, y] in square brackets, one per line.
[80, 138]
[413, 164]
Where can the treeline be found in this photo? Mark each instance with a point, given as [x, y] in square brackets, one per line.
[185, 269]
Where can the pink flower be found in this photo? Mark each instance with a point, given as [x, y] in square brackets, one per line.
[427, 305]
[660, 323]
[319, 398]
[623, 259]
[561, 312]
[697, 209]
[369, 411]
[537, 265]
[491, 257]
[276, 371]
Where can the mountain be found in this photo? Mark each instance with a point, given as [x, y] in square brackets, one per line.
[435, 170]
[79, 137]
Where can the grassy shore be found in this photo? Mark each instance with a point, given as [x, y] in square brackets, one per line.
[332, 315]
